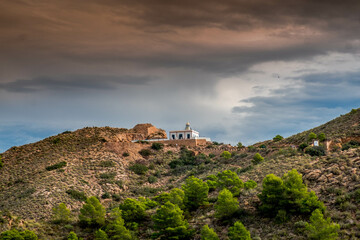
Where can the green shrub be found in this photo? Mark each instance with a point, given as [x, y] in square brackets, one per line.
[353, 111]
[322, 137]
[169, 223]
[288, 193]
[175, 196]
[92, 213]
[225, 155]
[145, 152]
[132, 210]
[312, 136]
[77, 195]
[212, 182]
[278, 138]
[56, 140]
[152, 179]
[125, 154]
[238, 232]
[1, 163]
[320, 228]
[186, 158]
[196, 193]
[108, 175]
[240, 145]
[257, 159]
[281, 216]
[251, 184]
[230, 180]
[208, 233]
[14, 234]
[108, 163]
[157, 146]
[245, 169]
[101, 235]
[139, 168]
[56, 166]
[72, 236]
[106, 195]
[61, 214]
[315, 151]
[303, 146]
[226, 205]
[211, 155]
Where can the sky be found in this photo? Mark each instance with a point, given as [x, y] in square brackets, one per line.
[237, 70]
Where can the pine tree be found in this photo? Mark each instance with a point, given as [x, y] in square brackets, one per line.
[226, 204]
[170, 223]
[101, 235]
[238, 232]
[92, 212]
[208, 233]
[320, 228]
[116, 229]
[61, 214]
[72, 236]
[196, 193]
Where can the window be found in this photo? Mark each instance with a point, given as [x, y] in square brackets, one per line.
[188, 136]
[173, 136]
[180, 136]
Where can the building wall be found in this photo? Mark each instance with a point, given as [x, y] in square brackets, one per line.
[185, 142]
[184, 133]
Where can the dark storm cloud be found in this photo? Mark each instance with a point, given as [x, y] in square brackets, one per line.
[76, 82]
[235, 14]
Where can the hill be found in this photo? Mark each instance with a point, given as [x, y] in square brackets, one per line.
[105, 162]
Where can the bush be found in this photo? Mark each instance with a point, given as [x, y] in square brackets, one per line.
[115, 229]
[61, 214]
[230, 180]
[108, 175]
[107, 164]
[139, 168]
[240, 145]
[125, 154]
[1, 163]
[320, 228]
[72, 236]
[170, 223]
[81, 196]
[14, 234]
[303, 146]
[152, 179]
[225, 155]
[132, 210]
[92, 213]
[226, 205]
[106, 195]
[288, 193]
[238, 232]
[312, 136]
[322, 137]
[208, 233]
[186, 158]
[145, 152]
[257, 159]
[212, 182]
[56, 166]
[315, 151]
[196, 193]
[175, 196]
[101, 235]
[278, 138]
[251, 184]
[157, 146]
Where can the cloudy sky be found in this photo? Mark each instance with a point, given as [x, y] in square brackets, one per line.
[238, 70]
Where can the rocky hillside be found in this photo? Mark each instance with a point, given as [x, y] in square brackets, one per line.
[104, 162]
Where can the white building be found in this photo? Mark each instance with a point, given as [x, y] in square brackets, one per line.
[188, 133]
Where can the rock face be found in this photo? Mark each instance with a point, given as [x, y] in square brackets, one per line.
[149, 131]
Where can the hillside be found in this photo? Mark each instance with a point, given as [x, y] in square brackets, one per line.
[104, 162]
